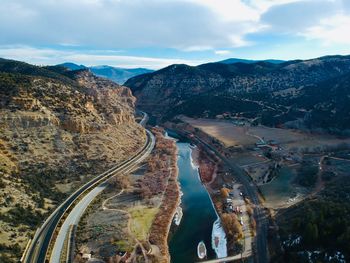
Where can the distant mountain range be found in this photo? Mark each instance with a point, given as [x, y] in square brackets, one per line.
[310, 94]
[121, 75]
[118, 75]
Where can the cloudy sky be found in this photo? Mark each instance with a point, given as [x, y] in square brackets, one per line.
[156, 33]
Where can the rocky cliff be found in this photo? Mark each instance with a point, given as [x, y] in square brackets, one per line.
[57, 130]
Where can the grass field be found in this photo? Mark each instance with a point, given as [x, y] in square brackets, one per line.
[141, 220]
[246, 158]
[224, 131]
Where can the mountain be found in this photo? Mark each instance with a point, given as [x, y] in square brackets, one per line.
[72, 66]
[118, 75]
[277, 90]
[248, 61]
[58, 128]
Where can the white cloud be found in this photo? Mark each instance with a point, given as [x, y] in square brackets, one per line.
[184, 25]
[52, 56]
[332, 30]
[230, 10]
[264, 5]
[222, 52]
[180, 24]
[294, 17]
[196, 48]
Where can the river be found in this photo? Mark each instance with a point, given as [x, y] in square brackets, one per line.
[199, 214]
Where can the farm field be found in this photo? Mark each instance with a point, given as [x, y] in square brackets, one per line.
[246, 158]
[233, 135]
[281, 192]
[226, 132]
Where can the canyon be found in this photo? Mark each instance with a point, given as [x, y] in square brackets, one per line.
[58, 130]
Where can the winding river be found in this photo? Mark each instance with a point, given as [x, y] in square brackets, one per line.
[198, 212]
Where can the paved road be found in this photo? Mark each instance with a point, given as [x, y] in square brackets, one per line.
[78, 210]
[145, 118]
[38, 248]
[249, 189]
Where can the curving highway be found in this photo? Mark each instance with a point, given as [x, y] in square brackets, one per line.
[74, 206]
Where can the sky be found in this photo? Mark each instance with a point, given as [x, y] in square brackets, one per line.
[156, 33]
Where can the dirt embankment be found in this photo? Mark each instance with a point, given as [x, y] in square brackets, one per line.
[207, 166]
[214, 175]
[171, 197]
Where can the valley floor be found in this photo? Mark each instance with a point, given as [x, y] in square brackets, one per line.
[265, 152]
[291, 170]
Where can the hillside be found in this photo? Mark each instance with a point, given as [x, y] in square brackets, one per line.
[72, 66]
[279, 91]
[327, 103]
[317, 228]
[57, 130]
[118, 75]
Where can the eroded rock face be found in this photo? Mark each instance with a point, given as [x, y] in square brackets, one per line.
[115, 102]
[96, 105]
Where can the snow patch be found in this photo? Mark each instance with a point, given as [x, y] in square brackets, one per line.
[292, 241]
[166, 136]
[194, 166]
[179, 213]
[218, 239]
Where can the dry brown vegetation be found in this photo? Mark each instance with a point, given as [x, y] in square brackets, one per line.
[207, 166]
[249, 210]
[232, 226]
[166, 150]
[252, 226]
[155, 180]
[224, 192]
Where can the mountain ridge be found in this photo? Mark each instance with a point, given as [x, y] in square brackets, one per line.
[165, 91]
[116, 74]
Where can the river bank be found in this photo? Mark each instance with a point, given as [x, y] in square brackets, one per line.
[224, 190]
[171, 198]
[201, 222]
[198, 212]
[207, 169]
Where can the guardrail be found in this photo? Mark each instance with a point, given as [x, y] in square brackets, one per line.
[25, 250]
